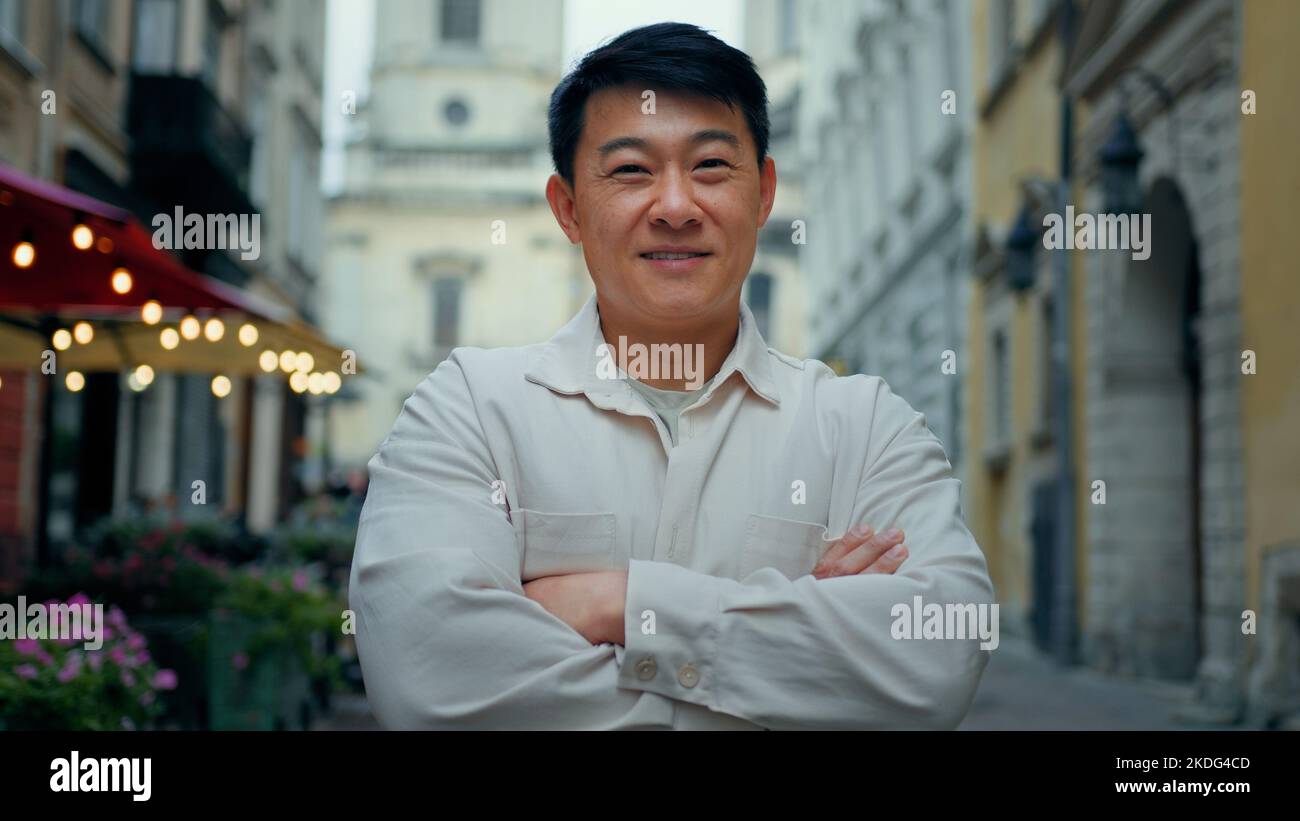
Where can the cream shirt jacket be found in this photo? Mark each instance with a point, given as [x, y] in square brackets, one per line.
[509, 464]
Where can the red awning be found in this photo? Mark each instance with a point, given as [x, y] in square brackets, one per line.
[64, 284]
[63, 278]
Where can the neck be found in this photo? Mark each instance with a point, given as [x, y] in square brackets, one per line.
[671, 357]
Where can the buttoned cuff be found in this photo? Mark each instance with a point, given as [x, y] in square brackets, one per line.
[671, 621]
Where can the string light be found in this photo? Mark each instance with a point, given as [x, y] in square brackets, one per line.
[151, 312]
[304, 362]
[104, 245]
[82, 237]
[122, 281]
[220, 386]
[315, 383]
[247, 335]
[332, 382]
[83, 333]
[169, 338]
[288, 360]
[268, 361]
[62, 339]
[75, 381]
[24, 254]
[298, 381]
[214, 329]
[144, 374]
[190, 326]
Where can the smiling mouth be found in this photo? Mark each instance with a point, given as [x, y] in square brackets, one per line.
[666, 255]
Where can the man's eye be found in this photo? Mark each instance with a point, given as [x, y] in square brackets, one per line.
[627, 168]
[721, 163]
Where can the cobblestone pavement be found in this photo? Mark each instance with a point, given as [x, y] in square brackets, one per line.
[1024, 690]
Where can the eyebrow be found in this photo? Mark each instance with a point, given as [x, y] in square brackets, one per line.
[707, 135]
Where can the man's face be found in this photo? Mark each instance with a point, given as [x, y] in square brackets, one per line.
[684, 179]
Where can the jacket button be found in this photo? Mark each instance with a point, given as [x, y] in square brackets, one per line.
[688, 676]
[646, 669]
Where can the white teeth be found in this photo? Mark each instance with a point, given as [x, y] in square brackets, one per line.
[657, 255]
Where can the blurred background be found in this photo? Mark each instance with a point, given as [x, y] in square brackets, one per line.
[184, 430]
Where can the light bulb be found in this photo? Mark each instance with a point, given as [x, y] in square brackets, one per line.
[151, 312]
[82, 237]
[122, 281]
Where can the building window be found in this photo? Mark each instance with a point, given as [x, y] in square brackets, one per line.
[1000, 428]
[1002, 27]
[446, 311]
[1045, 407]
[90, 21]
[460, 21]
[760, 303]
[212, 50]
[788, 32]
[155, 36]
[11, 18]
[456, 112]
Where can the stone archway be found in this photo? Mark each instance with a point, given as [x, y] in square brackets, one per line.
[1151, 407]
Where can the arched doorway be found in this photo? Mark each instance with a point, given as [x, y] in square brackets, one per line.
[1151, 417]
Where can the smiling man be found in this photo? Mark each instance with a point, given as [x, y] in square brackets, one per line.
[556, 538]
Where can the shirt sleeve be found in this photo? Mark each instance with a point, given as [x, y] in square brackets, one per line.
[445, 636]
[816, 653]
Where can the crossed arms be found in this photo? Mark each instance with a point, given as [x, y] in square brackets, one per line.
[449, 637]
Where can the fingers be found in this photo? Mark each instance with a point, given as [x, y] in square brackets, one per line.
[867, 555]
[841, 546]
[889, 562]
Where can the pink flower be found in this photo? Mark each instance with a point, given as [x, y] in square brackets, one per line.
[128, 678]
[118, 655]
[165, 679]
[44, 657]
[135, 641]
[300, 581]
[79, 599]
[96, 659]
[26, 671]
[116, 617]
[147, 697]
[71, 668]
[239, 661]
[27, 647]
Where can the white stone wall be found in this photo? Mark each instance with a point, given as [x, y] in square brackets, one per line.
[888, 196]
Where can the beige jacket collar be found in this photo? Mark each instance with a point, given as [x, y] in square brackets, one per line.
[567, 361]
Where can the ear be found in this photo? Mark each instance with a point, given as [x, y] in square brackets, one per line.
[766, 189]
[564, 206]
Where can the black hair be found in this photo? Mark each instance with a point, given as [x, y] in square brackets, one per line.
[674, 56]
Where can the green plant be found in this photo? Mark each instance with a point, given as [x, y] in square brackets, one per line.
[290, 610]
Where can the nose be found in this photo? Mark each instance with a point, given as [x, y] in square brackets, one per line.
[674, 203]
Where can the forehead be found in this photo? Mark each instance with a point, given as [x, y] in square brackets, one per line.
[622, 111]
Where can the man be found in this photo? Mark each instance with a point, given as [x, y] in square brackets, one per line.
[550, 541]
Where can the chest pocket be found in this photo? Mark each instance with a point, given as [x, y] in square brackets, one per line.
[791, 546]
[553, 544]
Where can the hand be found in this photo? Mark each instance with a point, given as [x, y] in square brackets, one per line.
[862, 550]
[590, 603]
